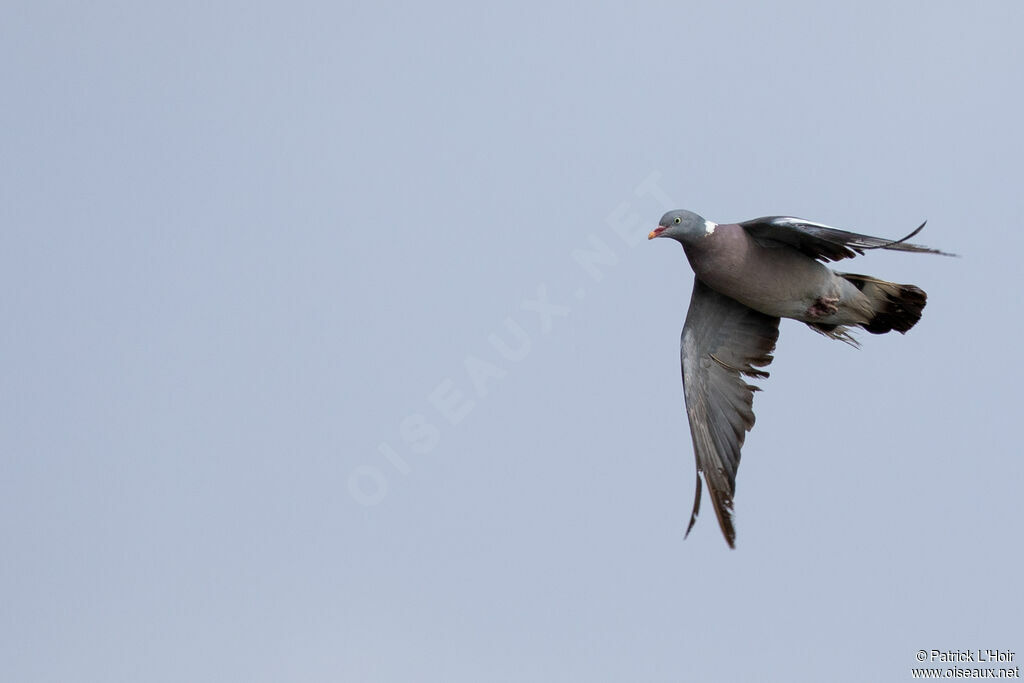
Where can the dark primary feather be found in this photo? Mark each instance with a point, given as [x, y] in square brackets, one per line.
[722, 340]
[824, 242]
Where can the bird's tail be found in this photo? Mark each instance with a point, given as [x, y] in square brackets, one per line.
[896, 307]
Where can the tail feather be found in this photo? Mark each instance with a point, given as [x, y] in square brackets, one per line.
[896, 307]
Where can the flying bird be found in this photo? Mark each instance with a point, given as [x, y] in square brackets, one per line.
[746, 277]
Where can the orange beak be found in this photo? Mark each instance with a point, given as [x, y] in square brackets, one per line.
[656, 232]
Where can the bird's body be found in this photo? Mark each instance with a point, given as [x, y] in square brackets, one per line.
[776, 280]
[747, 276]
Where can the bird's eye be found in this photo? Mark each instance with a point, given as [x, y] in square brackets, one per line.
[678, 220]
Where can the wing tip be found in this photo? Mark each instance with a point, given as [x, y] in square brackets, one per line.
[696, 508]
[722, 503]
[903, 245]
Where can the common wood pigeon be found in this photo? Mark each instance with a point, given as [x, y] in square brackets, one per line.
[747, 276]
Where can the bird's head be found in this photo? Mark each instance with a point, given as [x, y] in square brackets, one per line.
[682, 226]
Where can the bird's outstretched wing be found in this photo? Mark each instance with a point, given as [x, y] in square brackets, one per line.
[824, 242]
[722, 340]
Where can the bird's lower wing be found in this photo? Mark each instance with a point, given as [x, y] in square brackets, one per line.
[722, 340]
[825, 242]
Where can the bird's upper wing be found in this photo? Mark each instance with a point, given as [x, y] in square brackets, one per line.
[824, 242]
[722, 339]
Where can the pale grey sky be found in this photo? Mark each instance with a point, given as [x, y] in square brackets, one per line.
[265, 264]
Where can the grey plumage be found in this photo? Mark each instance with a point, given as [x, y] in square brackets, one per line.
[747, 276]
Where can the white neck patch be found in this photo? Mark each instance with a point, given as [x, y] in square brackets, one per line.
[709, 227]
